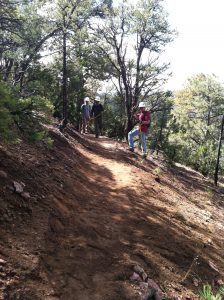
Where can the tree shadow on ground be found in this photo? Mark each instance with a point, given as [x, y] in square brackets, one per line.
[116, 228]
[112, 149]
[95, 231]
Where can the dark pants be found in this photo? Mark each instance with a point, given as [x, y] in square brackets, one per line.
[98, 125]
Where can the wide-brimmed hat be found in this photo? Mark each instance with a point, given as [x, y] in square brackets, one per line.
[97, 98]
[141, 104]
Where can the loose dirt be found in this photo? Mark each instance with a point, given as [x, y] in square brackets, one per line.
[94, 212]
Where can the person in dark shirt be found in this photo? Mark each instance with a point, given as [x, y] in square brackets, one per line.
[96, 113]
[141, 130]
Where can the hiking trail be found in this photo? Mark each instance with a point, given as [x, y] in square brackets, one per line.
[94, 212]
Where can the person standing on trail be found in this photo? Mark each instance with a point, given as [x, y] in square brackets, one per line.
[85, 110]
[96, 114]
[141, 130]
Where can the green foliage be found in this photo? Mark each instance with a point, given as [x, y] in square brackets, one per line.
[195, 127]
[22, 115]
[114, 117]
[76, 91]
[34, 26]
[207, 294]
[157, 171]
[49, 142]
[37, 136]
[131, 32]
[159, 129]
[41, 136]
[6, 119]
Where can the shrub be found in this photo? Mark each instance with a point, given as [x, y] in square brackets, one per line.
[207, 294]
[22, 115]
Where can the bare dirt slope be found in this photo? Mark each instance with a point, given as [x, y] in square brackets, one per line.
[89, 212]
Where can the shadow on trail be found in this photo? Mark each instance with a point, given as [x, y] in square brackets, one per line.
[107, 229]
[111, 149]
[96, 230]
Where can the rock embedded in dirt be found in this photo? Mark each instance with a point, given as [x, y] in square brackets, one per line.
[154, 285]
[25, 195]
[139, 270]
[2, 261]
[144, 276]
[18, 188]
[144, 286]
[135, 278]
[219, 282]
[195, 282]
[3, 174]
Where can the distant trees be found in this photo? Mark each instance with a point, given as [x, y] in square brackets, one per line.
[29, 30]
[198, 108]
[90, 43]
[23, 33]
[121, 42]
[217, 166]
[132, 38]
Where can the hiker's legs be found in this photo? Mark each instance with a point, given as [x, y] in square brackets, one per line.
[96, 124]
[100, 124]
[143, 142]
[87, 124]
[83, 125]
[134, 132]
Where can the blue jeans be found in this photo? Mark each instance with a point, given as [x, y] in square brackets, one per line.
[142, 136]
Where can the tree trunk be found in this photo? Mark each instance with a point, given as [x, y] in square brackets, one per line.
[159, 140]
[9, 65]
[129, 114]
[64, 85]
[219, 152]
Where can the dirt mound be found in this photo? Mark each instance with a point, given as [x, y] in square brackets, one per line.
[78, 217]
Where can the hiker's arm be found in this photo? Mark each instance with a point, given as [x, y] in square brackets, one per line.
[146, 121]
[136, 119]
[136, 116]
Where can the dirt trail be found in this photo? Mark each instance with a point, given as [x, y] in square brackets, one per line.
[95, 212]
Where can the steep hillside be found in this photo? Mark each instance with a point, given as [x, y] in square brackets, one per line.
[79, 218]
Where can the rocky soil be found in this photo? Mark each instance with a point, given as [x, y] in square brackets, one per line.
[85, 220]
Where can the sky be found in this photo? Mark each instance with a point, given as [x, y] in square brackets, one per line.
[199, 46]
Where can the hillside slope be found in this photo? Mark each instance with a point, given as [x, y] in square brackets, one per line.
[76, 218]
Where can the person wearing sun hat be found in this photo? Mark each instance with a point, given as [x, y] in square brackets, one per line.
[96, 114]
[141, 130]
[85, 110]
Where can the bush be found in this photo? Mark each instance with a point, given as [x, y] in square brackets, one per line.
[114, 118]
[6, 119]
[207, 294]
[22, 115]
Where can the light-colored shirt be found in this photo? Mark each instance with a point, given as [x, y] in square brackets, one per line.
[85, 108]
